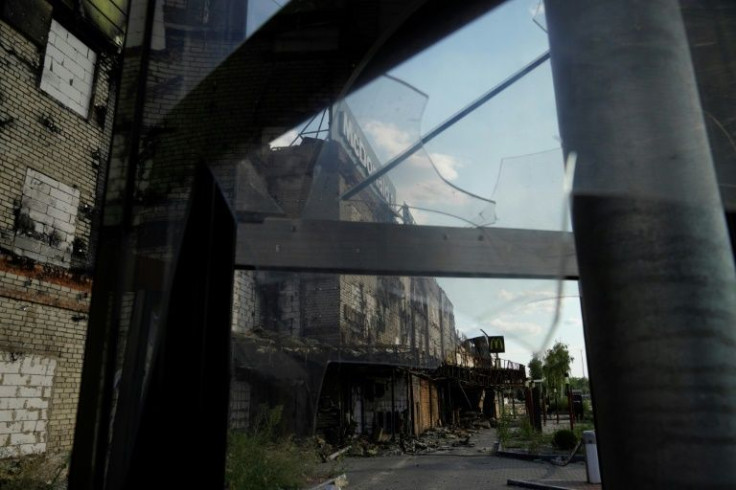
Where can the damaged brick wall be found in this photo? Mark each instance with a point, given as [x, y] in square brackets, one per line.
[49, 164]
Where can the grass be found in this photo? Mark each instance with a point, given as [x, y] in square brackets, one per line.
[33, 473]
[263, 459]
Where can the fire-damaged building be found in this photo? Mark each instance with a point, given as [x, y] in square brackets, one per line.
[352, 354]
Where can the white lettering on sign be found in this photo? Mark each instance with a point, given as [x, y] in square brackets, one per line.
[360, 150]
[356, 142]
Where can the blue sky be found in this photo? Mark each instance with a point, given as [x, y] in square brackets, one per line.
[507, 151]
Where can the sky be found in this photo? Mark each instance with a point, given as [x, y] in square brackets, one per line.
[506, 156]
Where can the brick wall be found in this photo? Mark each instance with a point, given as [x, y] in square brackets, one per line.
[51, 155]
[32, 330]
[25, 393]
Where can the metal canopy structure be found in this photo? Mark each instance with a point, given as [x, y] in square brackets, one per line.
[392, 249]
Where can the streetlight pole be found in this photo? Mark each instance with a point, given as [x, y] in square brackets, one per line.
[569, 400]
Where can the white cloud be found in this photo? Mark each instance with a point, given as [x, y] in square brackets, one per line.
[392, 140]
[285, 139]
[388, 137]
[515, 328]
[429, 192]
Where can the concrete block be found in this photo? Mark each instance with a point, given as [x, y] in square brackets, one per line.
[77, 45]
[62, 195]
[24, 415]
[30, 391]
[41, 380]
[37, 448]
[6, 415]
[59, 215]
[16, 439]
[12, 403]
[9, 367]
[10, 427]
[16, 380]
[36, 175]
[9, 452]
[29, 203]
[38, 190]
[65, 226]
[53, 52]
[41, 217]
[33, 365]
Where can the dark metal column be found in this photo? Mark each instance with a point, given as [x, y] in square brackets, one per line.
[657, 274]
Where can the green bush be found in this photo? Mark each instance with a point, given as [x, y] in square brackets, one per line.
[564, 439]
[261, 460]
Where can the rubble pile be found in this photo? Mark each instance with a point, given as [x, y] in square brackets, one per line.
[433, 440]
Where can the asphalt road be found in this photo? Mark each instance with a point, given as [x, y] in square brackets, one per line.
[462, 468]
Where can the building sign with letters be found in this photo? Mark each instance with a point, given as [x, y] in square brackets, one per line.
[345, 129]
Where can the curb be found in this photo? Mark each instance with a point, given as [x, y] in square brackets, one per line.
[531, 484]
[534, 457]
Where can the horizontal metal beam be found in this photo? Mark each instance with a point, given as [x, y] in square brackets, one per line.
[403, 250]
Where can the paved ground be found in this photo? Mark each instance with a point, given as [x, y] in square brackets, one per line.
[461, 468]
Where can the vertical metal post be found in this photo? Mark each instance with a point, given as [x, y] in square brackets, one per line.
[656, 271]
[393, 404]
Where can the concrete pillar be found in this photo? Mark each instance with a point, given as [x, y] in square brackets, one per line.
[657, 276]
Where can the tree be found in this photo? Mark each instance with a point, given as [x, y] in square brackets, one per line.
[535, 368]
[557, 362]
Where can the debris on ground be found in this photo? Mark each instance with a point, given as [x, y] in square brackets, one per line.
[432, 440]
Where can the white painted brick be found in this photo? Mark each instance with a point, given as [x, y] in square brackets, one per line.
[16, 439]
[10, 427]
[6, 415]
[8, 391]
[16, 379]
